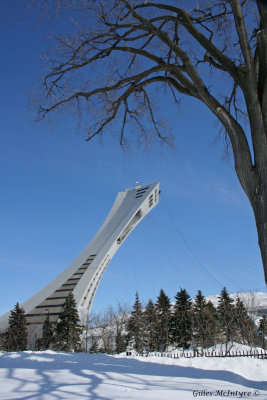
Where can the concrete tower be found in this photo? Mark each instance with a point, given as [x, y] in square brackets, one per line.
[83, 275]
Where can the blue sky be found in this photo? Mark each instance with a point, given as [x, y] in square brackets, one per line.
[56, 190]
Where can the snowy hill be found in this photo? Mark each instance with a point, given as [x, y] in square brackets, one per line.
[254, 301]
[65, 376]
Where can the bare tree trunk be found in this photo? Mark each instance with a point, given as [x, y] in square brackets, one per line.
[255, 188]
[259, 205]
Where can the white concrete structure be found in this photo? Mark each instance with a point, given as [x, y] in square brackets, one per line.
[84, 274]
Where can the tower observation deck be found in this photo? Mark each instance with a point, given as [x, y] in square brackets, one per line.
[83, 275]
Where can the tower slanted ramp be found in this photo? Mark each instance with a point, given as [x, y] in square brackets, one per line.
[84, 274]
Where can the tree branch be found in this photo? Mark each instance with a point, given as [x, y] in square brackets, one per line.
[187, 21]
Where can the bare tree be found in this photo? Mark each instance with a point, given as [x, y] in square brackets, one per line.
[122, 52]
[105, 329]
[86, 320]
[102, 330]
[251, 303]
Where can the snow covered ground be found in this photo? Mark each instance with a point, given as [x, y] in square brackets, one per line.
[64, 376]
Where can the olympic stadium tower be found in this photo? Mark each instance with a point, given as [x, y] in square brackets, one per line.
[83, 275]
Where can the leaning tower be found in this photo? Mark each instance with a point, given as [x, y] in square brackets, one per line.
[83, 275]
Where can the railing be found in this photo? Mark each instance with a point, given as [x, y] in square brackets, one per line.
[252, 353]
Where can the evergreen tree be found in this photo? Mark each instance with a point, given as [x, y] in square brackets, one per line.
[226, 315]
[94, 347]
[205, 326]
[212, 326]
[16, 335]
[243, 323]
[119, 319]
[150, 327]
[199, 320]
[68, 331]
[2, 340]
[46, 340]
[163, 319]
[136, 326]
[48, 332]
[262, 332]
[120, 342]
[182, 320]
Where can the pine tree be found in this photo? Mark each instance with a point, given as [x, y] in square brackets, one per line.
[68, 331]
[262, 332]
[226, 314]
[182, 320]
[136, 326]
[16, 335]
[2, 340]
[163, 319]
[199, 320]
[205, 325]
[94, 347]
[212, 327]
[47, 338]
[244, 324]
[121, 317]
[150, 326]
[121, 339]
[120, 342]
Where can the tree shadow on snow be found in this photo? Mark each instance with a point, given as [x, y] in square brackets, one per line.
[84, 373]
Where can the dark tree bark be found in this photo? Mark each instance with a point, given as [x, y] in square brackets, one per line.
[124, 50]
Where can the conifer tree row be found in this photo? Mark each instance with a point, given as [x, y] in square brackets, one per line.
[192, 323]
[160, 326]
